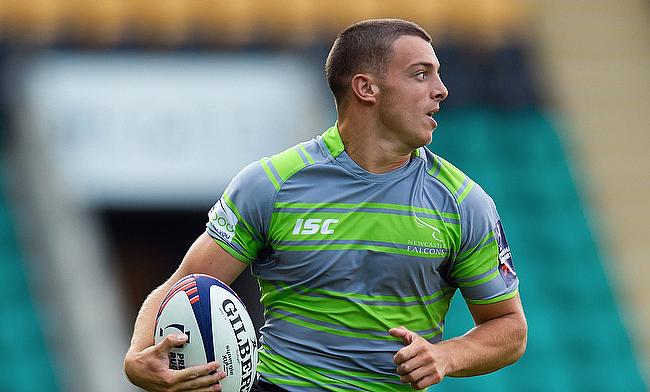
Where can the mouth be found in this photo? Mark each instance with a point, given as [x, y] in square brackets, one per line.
[430, 115]
[433, 112]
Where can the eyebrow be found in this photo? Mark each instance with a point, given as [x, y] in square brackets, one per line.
[425, 65]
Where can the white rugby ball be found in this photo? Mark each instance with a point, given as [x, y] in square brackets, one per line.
[217, 326]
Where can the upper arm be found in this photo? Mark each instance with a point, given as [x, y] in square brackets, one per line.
[508, 308]
[240, 219]
[236, 228]
[205, 256]
[483, 268]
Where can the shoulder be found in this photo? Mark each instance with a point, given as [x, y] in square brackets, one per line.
[282, 166]
[457, 183]
[265, 177]
[252, 192]
[469, 196]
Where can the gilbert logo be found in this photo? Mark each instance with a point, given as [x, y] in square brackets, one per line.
[314, 226]
[244, 346]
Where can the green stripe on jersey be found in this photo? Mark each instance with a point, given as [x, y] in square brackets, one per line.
[232, 251]
[333, 141]
[450, 176]
[301, 146]
[363, 230]
[435, 167]
[287, 163]
[481, 262]
[275, 368]
[466, 191]
[463, 255]
[252, 232]
[369, 205]
[338, 314]
[245, 233]
[477, 282]
[331, 329]
[362, 247]
[493, 300]
[265, 165]
[371, 298]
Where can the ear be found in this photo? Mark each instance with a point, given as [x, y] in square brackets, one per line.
[364, 88]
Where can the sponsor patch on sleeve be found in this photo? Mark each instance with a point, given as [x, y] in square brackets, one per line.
[223, 220]
[506, 267]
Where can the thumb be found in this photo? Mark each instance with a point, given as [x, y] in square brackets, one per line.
[171, 341]
[403, 333]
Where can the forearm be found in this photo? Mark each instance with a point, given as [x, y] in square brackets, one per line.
[147, 365]
[204, 256]
[487, 347]
[143, 329]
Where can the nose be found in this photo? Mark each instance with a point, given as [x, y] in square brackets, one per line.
[439, 91]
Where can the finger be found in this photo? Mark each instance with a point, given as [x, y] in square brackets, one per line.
[408, 352]
[426, 381]
[170, 342]
[206, 389]
[194, 372]
[403, 333]
[398, 332]
[404, 354]
[405, 367]
[201, 382]
[414, 374]
[415, 361]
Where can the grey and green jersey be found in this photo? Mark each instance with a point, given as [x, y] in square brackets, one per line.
[343, 255]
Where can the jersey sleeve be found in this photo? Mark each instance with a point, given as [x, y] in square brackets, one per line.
[239, 220]
[483, 268]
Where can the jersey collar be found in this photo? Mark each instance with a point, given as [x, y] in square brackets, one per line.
[334, 143]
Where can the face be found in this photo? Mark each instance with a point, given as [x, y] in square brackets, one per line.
[410, 92]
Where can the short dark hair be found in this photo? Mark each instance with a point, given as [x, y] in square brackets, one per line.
[365, 46]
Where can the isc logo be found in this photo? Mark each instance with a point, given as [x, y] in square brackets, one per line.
[313, 226]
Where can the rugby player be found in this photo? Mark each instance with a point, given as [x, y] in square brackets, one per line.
[358, 239]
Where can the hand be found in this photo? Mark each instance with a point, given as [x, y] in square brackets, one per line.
[149, 369]
[420, 363]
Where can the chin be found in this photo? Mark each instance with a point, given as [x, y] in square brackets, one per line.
[426, 138]
[421, 142]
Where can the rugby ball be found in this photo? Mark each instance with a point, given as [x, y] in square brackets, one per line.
[217, 326]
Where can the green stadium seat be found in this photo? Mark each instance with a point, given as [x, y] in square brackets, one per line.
[28, 367]
[576, 341]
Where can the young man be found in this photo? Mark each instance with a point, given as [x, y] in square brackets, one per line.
[358, 238]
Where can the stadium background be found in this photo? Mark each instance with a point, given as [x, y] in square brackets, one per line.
[121, 122]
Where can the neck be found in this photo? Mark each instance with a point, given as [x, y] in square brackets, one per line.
[366, 144]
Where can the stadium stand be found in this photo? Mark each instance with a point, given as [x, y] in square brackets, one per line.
[27, 365]
[575, 332]
[177, 23]
[611, 144]
[492, 126]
